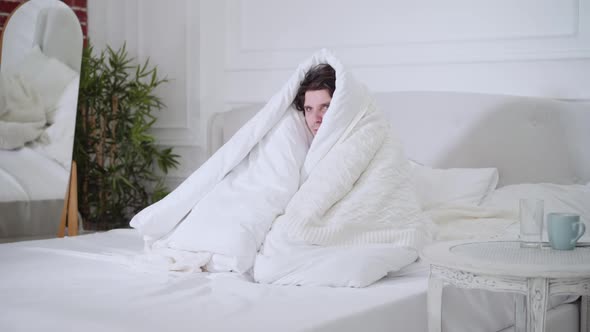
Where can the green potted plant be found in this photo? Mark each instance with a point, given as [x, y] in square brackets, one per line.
[116, 156]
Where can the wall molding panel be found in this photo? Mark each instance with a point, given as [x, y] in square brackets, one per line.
[527, 30]
[334, 24]
[528, 47]
[166, 32]
[225, 53]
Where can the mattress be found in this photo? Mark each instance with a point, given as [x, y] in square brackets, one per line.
[101, 282]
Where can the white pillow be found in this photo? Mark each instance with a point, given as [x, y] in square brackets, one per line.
[558, 198]
[452, 186]
[57, 141]
[20, 101]
[48, 76]
[22, 118]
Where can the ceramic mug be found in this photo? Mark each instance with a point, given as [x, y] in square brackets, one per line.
[564, 230]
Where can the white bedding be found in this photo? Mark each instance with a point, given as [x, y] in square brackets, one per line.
[22, 117]
[93, 283]
[348, 199]
[41, 93]
[28, 175]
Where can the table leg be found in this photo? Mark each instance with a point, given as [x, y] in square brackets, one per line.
[520, 313]
[435, 288]
[538, 291]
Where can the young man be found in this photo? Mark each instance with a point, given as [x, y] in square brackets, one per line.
[314, 95]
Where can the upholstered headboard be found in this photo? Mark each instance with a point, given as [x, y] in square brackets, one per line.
[529, 140]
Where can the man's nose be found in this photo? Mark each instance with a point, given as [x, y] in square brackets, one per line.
[319, 115]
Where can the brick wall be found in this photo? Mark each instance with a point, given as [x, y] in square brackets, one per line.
[79, 7]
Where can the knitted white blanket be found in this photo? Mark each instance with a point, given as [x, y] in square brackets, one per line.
[353, 190]
[360, 192]
[355, 218]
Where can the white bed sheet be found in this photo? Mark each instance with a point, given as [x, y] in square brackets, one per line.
[96, 283]
[28, 175]
[85, 283]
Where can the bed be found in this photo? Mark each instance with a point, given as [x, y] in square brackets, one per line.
[41, 58]
[102, 281]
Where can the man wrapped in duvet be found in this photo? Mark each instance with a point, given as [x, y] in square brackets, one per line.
[313, 190]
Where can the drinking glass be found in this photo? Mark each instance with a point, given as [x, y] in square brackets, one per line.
[531, 222]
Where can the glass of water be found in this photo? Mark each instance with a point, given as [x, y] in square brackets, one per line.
[531, 222]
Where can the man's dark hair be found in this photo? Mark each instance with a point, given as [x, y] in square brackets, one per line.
[320, 77]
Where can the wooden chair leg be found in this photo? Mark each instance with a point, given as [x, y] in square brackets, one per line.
[69, 214]
[73, 202]
[585, 314]
[64, 212]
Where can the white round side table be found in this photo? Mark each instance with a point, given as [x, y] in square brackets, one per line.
[503, 266]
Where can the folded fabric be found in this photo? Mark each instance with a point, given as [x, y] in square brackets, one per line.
[22, 117]
[47, 75]
[57, 140]
[456, 222]
[287, 261]
[232, 219]
[351, 192]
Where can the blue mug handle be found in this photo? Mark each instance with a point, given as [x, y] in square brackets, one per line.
[581, 230]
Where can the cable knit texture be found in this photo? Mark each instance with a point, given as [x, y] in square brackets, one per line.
[361, 192]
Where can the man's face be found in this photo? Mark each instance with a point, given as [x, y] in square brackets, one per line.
[315, 106]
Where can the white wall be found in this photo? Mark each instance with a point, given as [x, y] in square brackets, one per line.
[168, 33]
[525, 47]
[223, 53]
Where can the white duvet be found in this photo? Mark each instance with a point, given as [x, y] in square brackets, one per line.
[335, 210]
